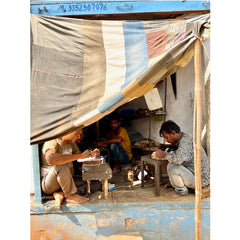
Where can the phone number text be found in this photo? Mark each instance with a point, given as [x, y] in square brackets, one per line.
[83, 7]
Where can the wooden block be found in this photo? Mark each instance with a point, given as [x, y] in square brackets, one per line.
[126, 236]
[96, 171]
[92, 162]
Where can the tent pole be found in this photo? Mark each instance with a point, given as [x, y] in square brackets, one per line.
[165, 99]
[207, 100]
[197, 158]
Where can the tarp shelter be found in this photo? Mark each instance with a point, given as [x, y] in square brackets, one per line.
[82, 70]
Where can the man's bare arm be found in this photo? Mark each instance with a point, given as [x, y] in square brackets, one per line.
[114, 140]
[54, 158]
[94, 153]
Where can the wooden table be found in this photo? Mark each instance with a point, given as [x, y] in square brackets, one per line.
[158, 171]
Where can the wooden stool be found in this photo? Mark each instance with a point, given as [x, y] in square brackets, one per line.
[158, 171]
[97, 171]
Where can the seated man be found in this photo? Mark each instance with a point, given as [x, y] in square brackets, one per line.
[57, 157]
[181, 160]
[120, 143]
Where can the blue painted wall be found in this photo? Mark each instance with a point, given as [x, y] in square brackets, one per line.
[155, 221]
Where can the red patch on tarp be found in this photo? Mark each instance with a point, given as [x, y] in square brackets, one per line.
[156, 42]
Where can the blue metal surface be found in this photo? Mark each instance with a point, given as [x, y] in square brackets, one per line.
[36, 174]
[92, 208]
[155, 221]
[66, 8]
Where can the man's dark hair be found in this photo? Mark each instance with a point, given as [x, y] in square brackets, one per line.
[168, 127]
[114, 116]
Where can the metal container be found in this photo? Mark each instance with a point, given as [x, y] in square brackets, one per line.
[130, 175]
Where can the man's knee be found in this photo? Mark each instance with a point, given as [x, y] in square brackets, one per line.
[177, 169]
[113, 146]
[60, 168]
[171, 168]
[115, 151]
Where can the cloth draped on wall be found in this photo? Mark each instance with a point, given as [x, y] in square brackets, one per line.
[82, 70]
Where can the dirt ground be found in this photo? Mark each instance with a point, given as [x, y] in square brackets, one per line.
[125, 192]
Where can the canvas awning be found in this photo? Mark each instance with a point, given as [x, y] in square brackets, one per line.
[81, 70]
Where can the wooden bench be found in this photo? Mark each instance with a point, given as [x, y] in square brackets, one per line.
[97, 171]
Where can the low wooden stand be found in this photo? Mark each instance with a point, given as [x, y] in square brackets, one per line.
[97, 171]
[158, 171]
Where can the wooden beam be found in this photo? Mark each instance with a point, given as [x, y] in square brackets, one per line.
[207, 106]
[197, 140]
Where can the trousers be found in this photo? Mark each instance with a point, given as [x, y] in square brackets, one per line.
[119, 153]
[180, 178]
[59, 178]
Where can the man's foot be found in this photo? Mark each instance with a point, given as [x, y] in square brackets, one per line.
[75, 198]
[172, 194]
[58, 196]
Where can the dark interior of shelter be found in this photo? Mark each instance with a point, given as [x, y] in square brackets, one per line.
[126, 186]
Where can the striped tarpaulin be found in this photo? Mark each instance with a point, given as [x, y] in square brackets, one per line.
[81, 70]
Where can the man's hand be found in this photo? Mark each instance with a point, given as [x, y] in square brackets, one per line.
[99, 144]
[95, 153]
[110, 141]
[86, 154]
[161, 154]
